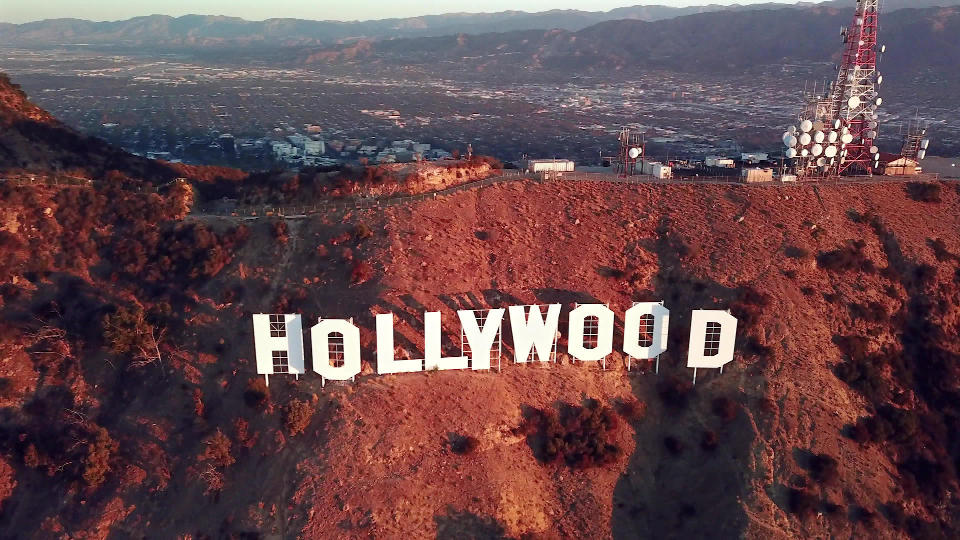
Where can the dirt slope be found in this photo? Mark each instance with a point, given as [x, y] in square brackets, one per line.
[736, 456]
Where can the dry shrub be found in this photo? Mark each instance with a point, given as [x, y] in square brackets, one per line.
[96, 465]
[362, 231]
[632, 409]
[361, 272]
[217, 450]
[673, 445]
[923, 192]
[297, 416]
[709, 441]
[801, 503]
[849, 258]
[871, 312]
[280, 232]
[257, 393]
[464, 444]
[725, 408]
[582, 438]
[674, 391]
[796, 252]
[824, 468]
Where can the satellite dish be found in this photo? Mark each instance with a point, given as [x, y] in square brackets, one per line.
[806, 126]
[804, 152]
[853, 102]
[821, 162]
[872, 124]
[805, 139]
[792, 130]
[791, 153]
[847, 138]
[790, 141]
[874, 149]
[922, 154]
[819, 137]
[845, 130]
[830, 151]
[871, 134]
[924, 144]
[879, 101]
[816, 150]
[876, 156]
[836, 124]
[832, 137]
[880, 79]
[883, 48]
[634, 153]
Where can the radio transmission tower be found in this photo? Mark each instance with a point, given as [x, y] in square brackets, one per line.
[837, 129]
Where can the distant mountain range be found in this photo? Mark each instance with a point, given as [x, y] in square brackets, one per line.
[916, 39]
[209, 31]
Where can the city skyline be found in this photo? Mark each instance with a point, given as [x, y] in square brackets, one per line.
[100, 10]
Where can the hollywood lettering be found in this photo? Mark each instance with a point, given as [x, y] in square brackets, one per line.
[335, 343]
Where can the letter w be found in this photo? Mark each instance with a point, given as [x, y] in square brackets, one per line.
[534, 333]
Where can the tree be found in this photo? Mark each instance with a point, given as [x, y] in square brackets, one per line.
[217, 450]
[128, 333]
[97, 463]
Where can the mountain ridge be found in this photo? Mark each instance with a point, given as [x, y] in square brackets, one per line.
[211, 30]
[916, 39]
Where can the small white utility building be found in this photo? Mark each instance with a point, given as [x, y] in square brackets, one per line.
[549, 165]
[657, 170]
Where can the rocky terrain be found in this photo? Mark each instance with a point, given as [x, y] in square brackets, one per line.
[131, 407]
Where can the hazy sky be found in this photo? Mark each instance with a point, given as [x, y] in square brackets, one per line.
[18, 11]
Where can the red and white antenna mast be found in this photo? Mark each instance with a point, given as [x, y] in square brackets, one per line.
[855, 98]
[837, 131]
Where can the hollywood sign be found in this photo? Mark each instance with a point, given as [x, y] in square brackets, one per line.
[336, 342]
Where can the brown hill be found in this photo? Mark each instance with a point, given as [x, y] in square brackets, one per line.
[838, 417]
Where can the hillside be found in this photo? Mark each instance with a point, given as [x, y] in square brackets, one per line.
[34, 143]
[100, 437]
[129, 398]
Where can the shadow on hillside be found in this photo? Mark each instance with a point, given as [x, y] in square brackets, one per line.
[675, 485]
[467, 526]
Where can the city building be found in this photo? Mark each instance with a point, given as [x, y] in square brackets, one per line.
[314, 148]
